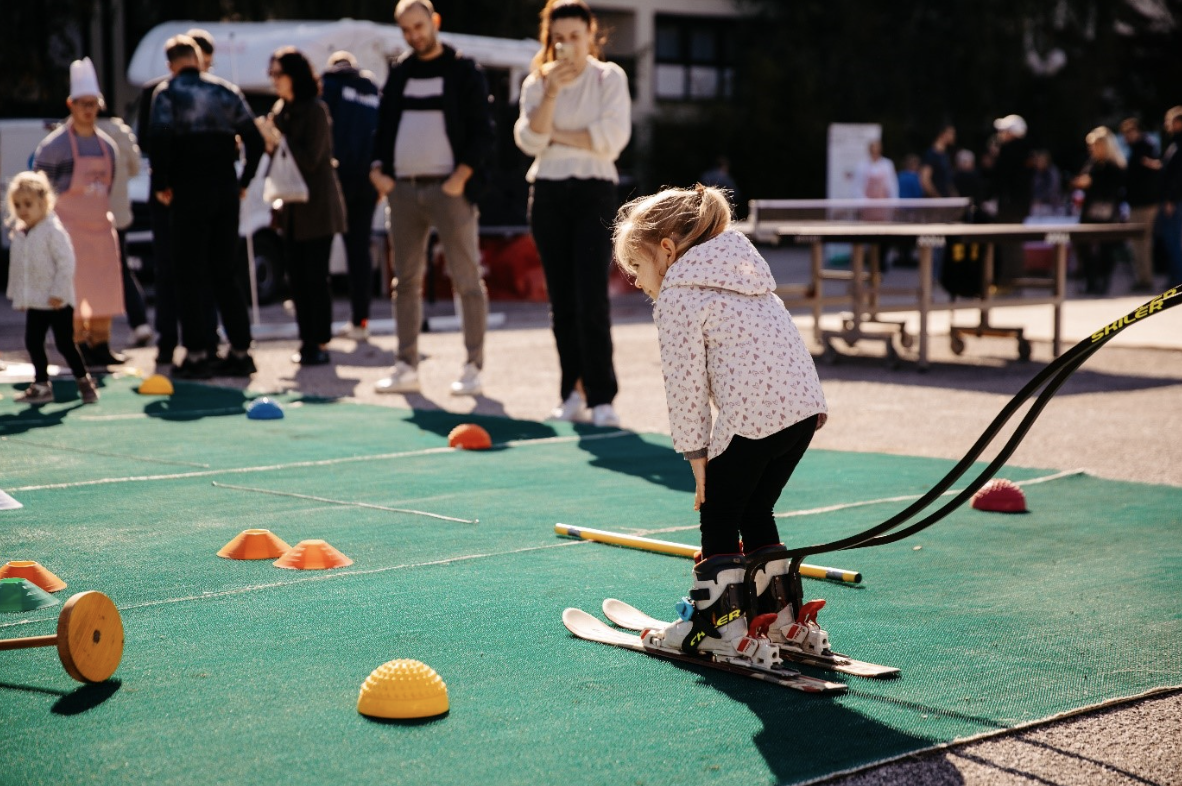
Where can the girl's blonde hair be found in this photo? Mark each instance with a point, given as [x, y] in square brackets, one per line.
[564, 9]
[1101, 135]
[688, 216]
[35, 183]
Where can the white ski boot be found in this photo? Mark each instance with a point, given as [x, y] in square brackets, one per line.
[714, 618]
[774, 610]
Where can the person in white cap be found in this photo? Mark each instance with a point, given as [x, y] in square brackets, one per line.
[80, 161]
[1013, 178]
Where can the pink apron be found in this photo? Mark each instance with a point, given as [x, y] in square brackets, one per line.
[876, 188]
[85, 212]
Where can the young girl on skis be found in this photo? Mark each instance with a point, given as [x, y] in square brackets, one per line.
[725, 338]
[41, 283]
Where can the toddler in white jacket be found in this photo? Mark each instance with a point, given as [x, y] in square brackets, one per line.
[726, 338]
[41, 283]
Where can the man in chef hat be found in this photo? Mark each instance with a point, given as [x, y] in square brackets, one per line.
[79, 160]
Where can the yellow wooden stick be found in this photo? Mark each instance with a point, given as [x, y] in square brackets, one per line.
[682, 550]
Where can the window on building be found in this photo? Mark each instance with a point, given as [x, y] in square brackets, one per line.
[694, 58]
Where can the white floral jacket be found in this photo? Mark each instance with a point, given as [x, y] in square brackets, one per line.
[725, 336]
[41, 266]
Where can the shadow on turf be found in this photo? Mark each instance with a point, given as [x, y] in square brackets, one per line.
[500, 429]
[806, 736]
[1002, 377]
[631, 454]
[72, 702]
[407, 721]
[196, 401]
[34, 417]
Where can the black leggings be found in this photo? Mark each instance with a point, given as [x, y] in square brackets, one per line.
[742, 486]
[38, 323]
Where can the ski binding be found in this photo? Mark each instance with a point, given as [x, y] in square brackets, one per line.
[804, 640]
[758, 657]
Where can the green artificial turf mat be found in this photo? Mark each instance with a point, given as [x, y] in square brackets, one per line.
[239, 672]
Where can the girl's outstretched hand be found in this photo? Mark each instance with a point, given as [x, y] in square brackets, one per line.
[822, 419]
[698, 465]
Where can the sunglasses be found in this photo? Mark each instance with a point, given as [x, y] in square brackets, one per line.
[275, 74]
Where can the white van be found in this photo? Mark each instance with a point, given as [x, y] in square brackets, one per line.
[242, 54]
[18, 142]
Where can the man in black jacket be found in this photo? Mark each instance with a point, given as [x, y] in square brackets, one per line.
[353, 99]
[1141, 192]
[434, 136]
[1013, 174]
[160, 218]
[1169, 217]
[197, 120]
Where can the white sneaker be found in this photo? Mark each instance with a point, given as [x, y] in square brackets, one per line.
[469, 382]
[572, 410]
[605, 415]
[403, 379]
[354, 332]
[142, 335]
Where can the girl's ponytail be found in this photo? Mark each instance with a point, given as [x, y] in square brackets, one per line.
[688, 216]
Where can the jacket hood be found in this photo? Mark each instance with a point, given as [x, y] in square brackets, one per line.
[728, 262]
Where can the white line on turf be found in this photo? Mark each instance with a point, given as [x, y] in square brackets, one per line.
[321, 576]
[90, 452]
[343, 502]
[317, 463]
[864, 503]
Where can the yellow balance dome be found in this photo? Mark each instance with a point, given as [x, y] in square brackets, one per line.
[403, 689]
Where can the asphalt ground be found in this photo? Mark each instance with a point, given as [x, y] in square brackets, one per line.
[1117, 417]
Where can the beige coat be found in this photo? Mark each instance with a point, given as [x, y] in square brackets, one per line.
[127, 166]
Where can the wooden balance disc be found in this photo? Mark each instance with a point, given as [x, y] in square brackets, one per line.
[89, 637]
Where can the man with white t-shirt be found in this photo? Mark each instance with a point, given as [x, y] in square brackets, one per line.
[434, 136]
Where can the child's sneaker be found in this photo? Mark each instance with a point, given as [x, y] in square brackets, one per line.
[36, 393]
[88, 390]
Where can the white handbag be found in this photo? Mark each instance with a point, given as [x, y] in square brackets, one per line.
[284, 183]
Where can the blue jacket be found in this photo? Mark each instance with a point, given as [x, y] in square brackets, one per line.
[353, 98]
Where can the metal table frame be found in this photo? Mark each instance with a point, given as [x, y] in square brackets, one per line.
[865, 289]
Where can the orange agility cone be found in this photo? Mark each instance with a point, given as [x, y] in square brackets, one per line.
[469, 436]
[27, 569]
[255, 544]
[312, 555]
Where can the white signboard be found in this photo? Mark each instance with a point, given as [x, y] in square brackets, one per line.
[847, 148]
[848, 143]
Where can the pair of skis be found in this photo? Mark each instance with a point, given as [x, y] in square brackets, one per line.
[629, 618]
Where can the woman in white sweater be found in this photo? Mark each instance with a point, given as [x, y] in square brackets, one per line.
[41, 283]
[576, 118]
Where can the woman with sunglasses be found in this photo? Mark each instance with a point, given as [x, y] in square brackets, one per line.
[300, 117]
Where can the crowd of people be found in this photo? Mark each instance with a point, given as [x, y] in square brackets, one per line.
[743, 393]
[1126, 178]
[422, 143]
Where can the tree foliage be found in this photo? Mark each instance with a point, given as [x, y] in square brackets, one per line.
[912, 65]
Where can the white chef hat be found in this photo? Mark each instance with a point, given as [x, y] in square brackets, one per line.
[84, 80]
[1015, 124]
